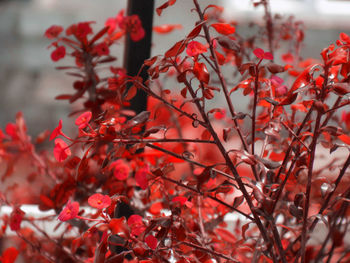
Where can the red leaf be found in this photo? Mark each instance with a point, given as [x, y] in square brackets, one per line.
[99, 35]
[275, 68]
[259, 53]
[194, 48]
[101, 250]
[224, 29]
[63, 97]
[160, 9]
[131, 93]
[289, 100]
[344, 37]
[183, 92]
[195, 31]
[176, 49]
[118, 226]
[47, 201]
[221, 58]
[226, 235]
[141, 177]
[208, 94]
[277, 157]
[166, 28]
[181, 199]
[344, 138]
[268, 55]
[201, 72]
[149, 62]
[135, 219]
[151, 241]
[16, 218]
[244, 229]
[136, 225]
[156, 208]
[341, 88]
[9, 255]
[206, 135]
[303, 79]
[216, 7]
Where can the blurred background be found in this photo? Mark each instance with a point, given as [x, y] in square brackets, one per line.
[29, 81]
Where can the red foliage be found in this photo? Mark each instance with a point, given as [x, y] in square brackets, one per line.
[166, 181]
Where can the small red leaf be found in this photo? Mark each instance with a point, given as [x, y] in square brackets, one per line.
[166, 28]
[259, 53]
[118, 226]
[63, 97]
[268, 55]
[181, 199]
[226, 235]
[160, 9]
[99, 35]
[176, 49]
[224, 29]
[101, 250]
[303, 79]
[141, 177]
[151, 241]
[289, 100]
[201, 72]
[9, 255]
[344, 138]
[195, 31]
[194, 48]
[131, 93]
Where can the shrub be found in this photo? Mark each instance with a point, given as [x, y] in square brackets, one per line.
[162, 184]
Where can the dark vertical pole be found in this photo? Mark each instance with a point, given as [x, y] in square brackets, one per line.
[137, 52]
[134, 55]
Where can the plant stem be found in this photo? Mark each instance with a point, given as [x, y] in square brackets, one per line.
[209, 251]
[208, 196]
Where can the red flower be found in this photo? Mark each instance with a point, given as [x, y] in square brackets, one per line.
[16, 219]
[133, 25]
[259, 53]
[101, 49]
[137, 35]
[53, 31]
[121, 169]
[99, 201]
[114, 22]
[61, 150]
[194, 48]
[57, 131]
[58, 53]
[69, 212]
[83, 29]
[83, 120]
